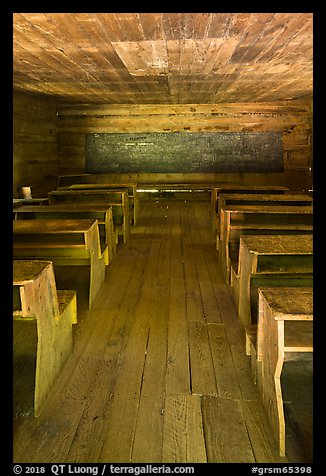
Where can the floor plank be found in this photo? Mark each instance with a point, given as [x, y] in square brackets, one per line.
[209, 302]
[177, 376]
[194, 303]
[201, 363]
[183, 437]
[225, 431]
[148, 439]
[122, 409]
[224, 368]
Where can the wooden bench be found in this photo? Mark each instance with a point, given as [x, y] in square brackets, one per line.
[275, 260]
[232, 215]
[226, 199]
[130, 187]
[217, 190]
[118, 200]
[236, 231]
[101, 213]
[37, 301]
[285, 331]
[64, 242]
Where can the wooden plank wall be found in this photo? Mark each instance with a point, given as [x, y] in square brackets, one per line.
[35, 142]
[50, 138]
[292, 118]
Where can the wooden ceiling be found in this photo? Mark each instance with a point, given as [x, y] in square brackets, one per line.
[164, 58]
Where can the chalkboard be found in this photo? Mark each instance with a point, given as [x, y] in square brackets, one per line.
[217, 152]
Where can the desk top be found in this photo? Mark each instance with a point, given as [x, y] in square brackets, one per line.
[64, 208]
[52, 226]
[20, 201]
[264, 209]
[289, 303]
[271, 226]
[90, 186]
[249, 187]
[85, 192]
[278, 244]
[74, 175]
[28, 270]
[265, 197]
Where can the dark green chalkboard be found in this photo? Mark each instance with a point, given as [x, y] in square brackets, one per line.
[206, 152]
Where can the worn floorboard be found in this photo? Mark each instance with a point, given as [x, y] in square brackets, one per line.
[226, 431]
[159, 372]
[183, 437]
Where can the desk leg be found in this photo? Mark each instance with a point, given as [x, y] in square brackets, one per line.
[247, 265]
[54, 334]
[271, 336]
[96, 278]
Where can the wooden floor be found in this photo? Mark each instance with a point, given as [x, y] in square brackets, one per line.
[159, 371]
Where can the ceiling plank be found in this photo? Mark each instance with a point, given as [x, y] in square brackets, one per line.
[165, 58]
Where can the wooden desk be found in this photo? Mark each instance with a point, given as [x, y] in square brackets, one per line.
[254, 214]
[238, 230]
[37, 302]
[117, 199]
[243, 189]
[275, 260]
[285, 328]
[226, 199]
[263, 199]
[130, 187]
[64, 242]
[101, 213]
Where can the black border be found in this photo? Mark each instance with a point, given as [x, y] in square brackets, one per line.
[6, 241]
[6, 12]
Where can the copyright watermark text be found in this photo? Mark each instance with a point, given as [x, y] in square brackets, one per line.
[101, 469]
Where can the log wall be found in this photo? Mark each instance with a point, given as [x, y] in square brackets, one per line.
[35, 155]
[50, 138]
[291, 119]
